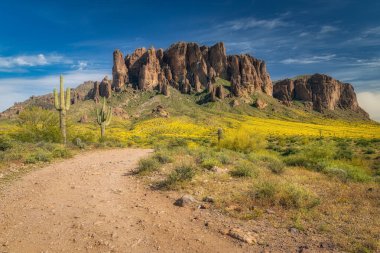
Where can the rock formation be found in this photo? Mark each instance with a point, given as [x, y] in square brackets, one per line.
[105, 88]
[119, 71]
[189, 67]
[324, 92]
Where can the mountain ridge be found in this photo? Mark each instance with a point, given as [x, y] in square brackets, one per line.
[193, 69]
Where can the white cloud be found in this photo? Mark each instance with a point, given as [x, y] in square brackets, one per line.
[82, 65]
[328, 29]
[18, 89]
[372, 31]
[309, 60]
[370, 102]
[32, 60]
[249, 23]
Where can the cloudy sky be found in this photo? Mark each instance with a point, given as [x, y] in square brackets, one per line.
[40, 39]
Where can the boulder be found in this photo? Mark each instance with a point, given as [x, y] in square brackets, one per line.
[240, 235]
[260, 104]
[185, 200]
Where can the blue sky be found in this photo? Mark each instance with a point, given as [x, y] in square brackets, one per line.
[40, 39]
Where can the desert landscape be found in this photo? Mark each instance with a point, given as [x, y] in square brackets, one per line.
[193, 147]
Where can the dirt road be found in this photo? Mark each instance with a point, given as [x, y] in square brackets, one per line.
[91, 203]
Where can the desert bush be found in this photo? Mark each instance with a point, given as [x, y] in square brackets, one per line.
[314, 155]
[147, 165]
[181, 174]
[286, 195]
[270, 161]
[224, 157]
[37, 124]
[79, 143]
[39, 155]
[266, 191]
[5, 143]
[244, 169]
[163, 157]
[243, 141]
[346, 172]
[61, 152]
[209, 163]
[344, 150]
[294, 196]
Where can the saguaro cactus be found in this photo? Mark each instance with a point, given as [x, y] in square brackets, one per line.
[220, 135]
[104, 116]
[62, 105]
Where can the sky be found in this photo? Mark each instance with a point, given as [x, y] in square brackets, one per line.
[41, 39]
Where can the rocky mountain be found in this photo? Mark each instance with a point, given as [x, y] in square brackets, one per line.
[189, 67]
[194, 69]
[322, 92]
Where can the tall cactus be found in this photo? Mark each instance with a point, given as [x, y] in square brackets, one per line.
[220, 135]
[62, 105]
[104, 116]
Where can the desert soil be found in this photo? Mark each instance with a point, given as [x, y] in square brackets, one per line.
[93, 203]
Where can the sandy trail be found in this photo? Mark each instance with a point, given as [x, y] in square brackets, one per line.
[91, 203]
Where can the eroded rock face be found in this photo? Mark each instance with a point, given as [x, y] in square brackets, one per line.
[105, 89]
[189, 67]
[324, 92]
[248, 75]
[119, 71]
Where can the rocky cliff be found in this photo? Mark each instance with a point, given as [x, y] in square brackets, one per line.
[189, 67]
[324, 92]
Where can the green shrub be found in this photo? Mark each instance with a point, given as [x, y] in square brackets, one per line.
[346, 172]
[147, 165]
[369, 151]
[5, 143]
[269, 161]
[38, 125]
[79, 143]
[224, 157]
[244, 169]
[266, 191]
[61, 152]
[181, 174]
[39, 156]
[286, 195]
[314, 155]
[209, 163]
[243, 141]
[294, 196]
[276, 166]
[163, 157]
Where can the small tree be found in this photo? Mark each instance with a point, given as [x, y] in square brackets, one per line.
[104, 116]
[62, 105]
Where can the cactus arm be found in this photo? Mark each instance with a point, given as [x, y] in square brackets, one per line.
[56, 100]
[62, 94]
[68, 99]
[109, 116]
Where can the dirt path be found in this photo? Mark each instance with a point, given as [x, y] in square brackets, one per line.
[90, 203]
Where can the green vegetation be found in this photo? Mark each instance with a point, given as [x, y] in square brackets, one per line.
[104, 116]
[274, 158]
[62, 105]
[147, 165]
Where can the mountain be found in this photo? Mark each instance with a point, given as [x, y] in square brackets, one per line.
[211, 75]
[322, 92]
